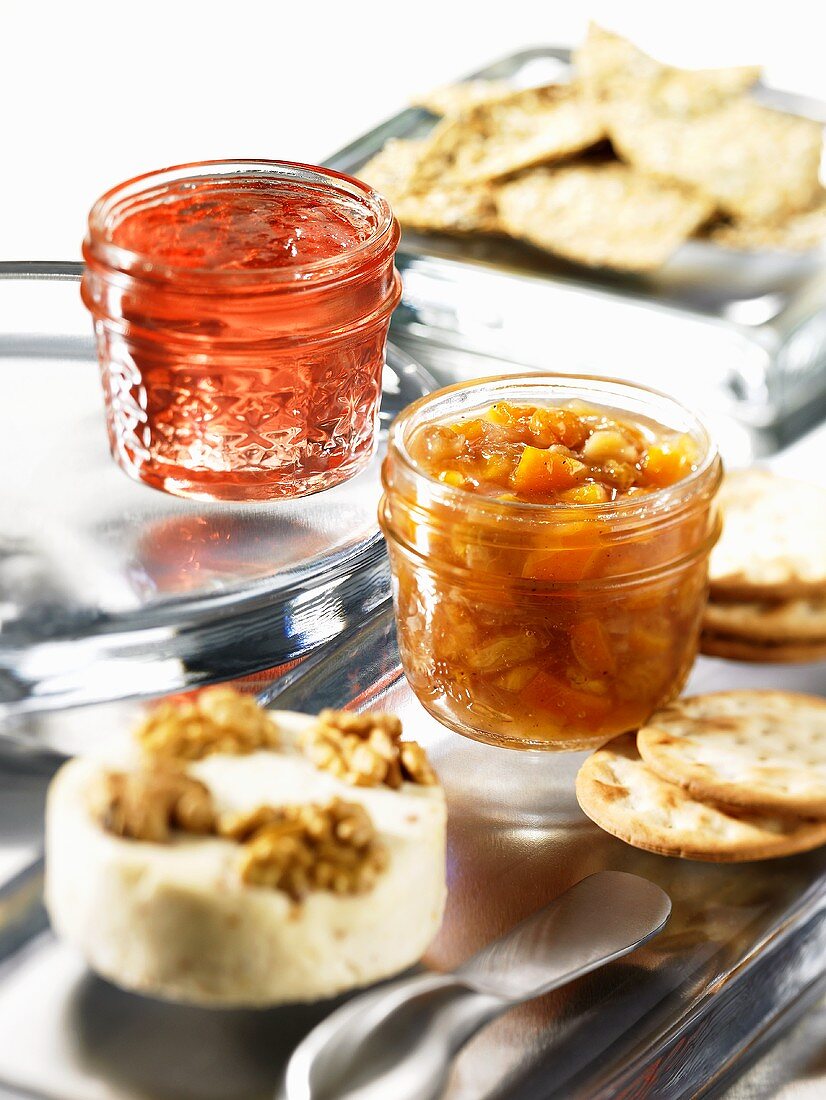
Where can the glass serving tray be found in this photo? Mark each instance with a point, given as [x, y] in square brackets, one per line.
[752, 325]
[741, 958]
[109, 589]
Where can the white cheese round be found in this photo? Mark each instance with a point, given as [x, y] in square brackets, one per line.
[176, 921]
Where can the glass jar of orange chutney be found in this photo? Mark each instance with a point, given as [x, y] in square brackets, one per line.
[549, 539]
[241, 311]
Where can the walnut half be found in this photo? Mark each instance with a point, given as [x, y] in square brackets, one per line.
[148, 805]
[217, 719]
[366, 750]
[298, 849]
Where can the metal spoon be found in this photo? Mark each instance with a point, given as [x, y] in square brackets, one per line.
[398, 1041]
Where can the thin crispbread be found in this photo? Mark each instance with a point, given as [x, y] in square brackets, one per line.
[611, 66]
[799, 232]
[503, 136]
[434, 209]
[765, 750]
[762, 653]
[389, 171]
[622, 795]
[454, 99]
[773, 544]
[603, 214]
[789, 621]
[751, 161]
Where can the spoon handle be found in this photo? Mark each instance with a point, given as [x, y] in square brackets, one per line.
[399, 1041]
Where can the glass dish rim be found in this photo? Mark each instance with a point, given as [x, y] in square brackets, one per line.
[655, 502]
[141, 264]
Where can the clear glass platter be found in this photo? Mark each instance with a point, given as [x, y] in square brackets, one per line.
[741, 959]
[750, 325]
[110, 589]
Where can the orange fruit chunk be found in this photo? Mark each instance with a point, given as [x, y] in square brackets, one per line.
[502, 414]
[548, 692]
[452, 477]
[542, 471]
[568, 563]
[589, 493]
[668, 462]
[470, 429]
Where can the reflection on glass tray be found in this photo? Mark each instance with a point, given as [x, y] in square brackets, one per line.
[752, 324]
[111, 589]
[742, 955]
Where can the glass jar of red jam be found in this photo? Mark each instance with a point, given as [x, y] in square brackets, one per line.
[549, 539]
[241, 311]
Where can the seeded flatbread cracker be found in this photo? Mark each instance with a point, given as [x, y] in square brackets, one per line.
[773, 544]
[453, 99]
[765, 750]
[622, 795]
[752, 161]
[389, 171]
[602, 214]
[795, 233]
[791, 621]
[464, 209]
[611, 66]
[498, 138]
[763, 653]
[607, 63]
[448, 210]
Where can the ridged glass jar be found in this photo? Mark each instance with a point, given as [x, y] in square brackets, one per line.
[241, 311]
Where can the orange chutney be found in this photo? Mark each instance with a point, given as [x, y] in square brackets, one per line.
[549, 539]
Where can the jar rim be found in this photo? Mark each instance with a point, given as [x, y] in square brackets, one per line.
[128, 261]
[657, 500]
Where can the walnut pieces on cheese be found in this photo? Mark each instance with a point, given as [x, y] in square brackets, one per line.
[293, 848]
[296, 849]
[148, 805]
[310, 847]
[366, 750]
[218, 719]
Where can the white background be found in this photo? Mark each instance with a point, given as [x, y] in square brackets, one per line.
[94, 92]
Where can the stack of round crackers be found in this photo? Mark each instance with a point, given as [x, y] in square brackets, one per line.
[768, 572]
[728, 777]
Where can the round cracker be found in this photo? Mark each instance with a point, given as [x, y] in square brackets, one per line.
[738, 649]
[791, 621]
[765, 750]
[622, 795]
[773, 544]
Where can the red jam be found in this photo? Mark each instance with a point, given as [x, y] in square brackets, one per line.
[224, 225]
[241, 312]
